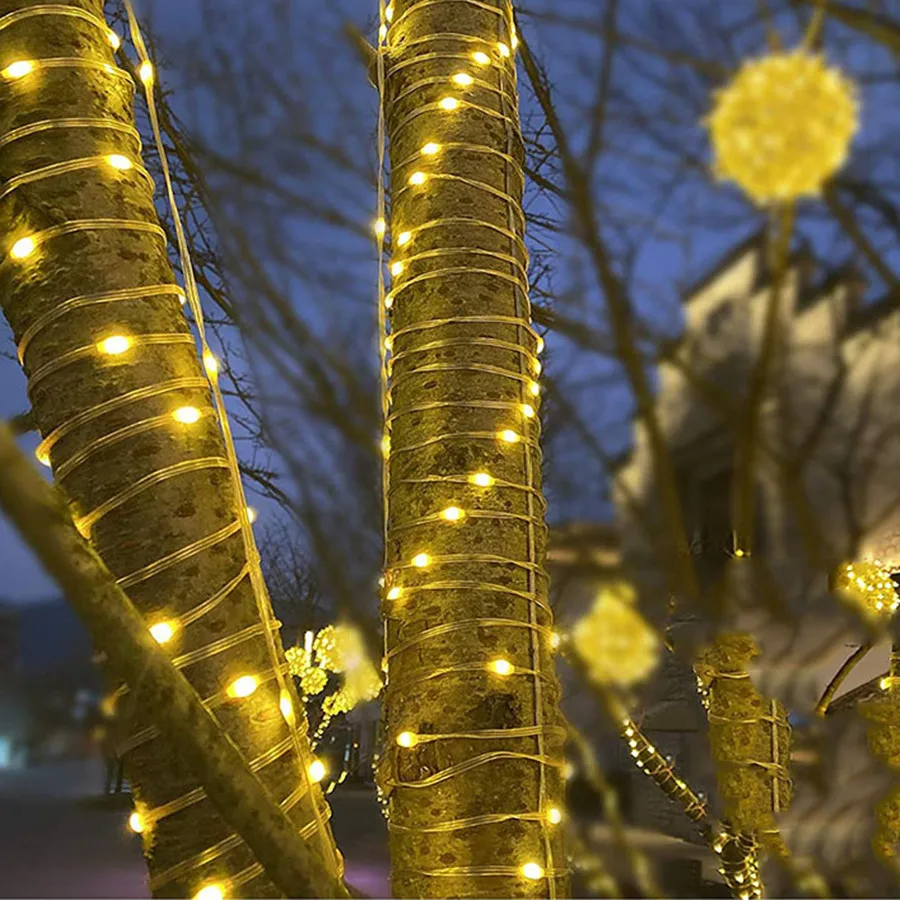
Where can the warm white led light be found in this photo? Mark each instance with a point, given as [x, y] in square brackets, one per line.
[145, 72]
[243, 686]
[394, 593]
[136, 823]
[482, 479]
[120, 162]
[481, 58]
[431, 148]
[503, 49]
[448, 103]
[23, 248]
[115, 345]
[114, 40]
[18, 69]
[554, 815]
[210, 892]
[421, 560]
[407, 739]
[417, 179]
[502, 667]
[453, 514]
[404, 238]
[528, 411]
[532, 871]
[463, 79]
[187, 415]
[396, 268]
[509, 436]
[379, 226]
[162, 632]
[317, 770]
[252, 514]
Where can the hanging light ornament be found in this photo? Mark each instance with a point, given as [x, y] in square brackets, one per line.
[867, 587]
[615, 643]
[783, 126]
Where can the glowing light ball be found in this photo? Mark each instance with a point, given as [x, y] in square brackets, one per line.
[867, 587]
[783, 126]
[614, 641]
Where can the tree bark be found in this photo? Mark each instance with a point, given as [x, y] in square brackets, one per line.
[154, 494]
[474, 785]
[40, 515]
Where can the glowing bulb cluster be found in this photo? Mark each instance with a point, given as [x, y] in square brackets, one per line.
[867, 586]
[613, 640]
[783, 125]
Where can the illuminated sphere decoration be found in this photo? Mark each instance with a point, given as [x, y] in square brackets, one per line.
[783, 126]
[339, 648]
[313, 681]
[867, 587]
[613, 641]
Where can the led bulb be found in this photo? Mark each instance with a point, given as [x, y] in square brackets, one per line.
[187, 415]
[396, 268]
[417, 179]
[431, 148]
[286, 707]
[210, 892]
[114, 40]
[554, 815]
[316, 770]
[504, 51]
[162, 632]
[115, 345]
[481, 58]
[502, 667]
[145, 72]
[534, 389]
[463, 79]
[555, 640]
[421, 560]
[243, 686]
[514, 41]
[379, 226]
[509, 436]
[528, 410]
[388, 301]
[404, 238]
[136, 823]
[449, 103]
[252, 514]
[482, 479]
[407, 739]
[386, 445]
[118, 161]
[539, 346]
[532, 871]
[536, 365]
[394, 593]
[22, 248]
[453, 514]
[389, 12]
[18, 69]
[382, 32]
[210, 363]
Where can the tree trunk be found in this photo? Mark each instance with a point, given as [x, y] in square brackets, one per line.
[472, 770]
[153, 490]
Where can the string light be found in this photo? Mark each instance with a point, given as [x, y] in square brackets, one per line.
[536, 366]
[210, 892]
[407, 739]
[554, 815]
[187, 415]
[404, 238]
[449, 104]
[252, 514]
[532, 871]
[386, 445]
[539, 344]
[379, 226]
[481, 58]
[286, 706]
[421, 560]
[417, 179]
[509, 436]
[555, 640]
[18, 69]
[453, 514]
[145, 72]
[394, 593]
[501, 667]
[243, 687]
[162, 632]
[396, 268]
[23, 248]
[120, 162]
[503, 49]
[389, 12]
[136, 823]
[210, 363]
[482, 479]
[382, 32]
[534, 389]
[317, 771]
[463, 79]
[432, 148]
[114, 40]
[528, 411]
[115, 345]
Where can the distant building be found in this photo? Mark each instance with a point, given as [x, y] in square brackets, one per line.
[837, 389]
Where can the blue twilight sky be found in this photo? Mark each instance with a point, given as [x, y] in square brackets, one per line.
[663, 265]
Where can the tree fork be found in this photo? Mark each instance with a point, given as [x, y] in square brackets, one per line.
[472, 769]
[130, 431]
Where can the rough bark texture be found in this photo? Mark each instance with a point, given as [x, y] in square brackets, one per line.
[92, 467]
[456, 386]
[39, 512]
